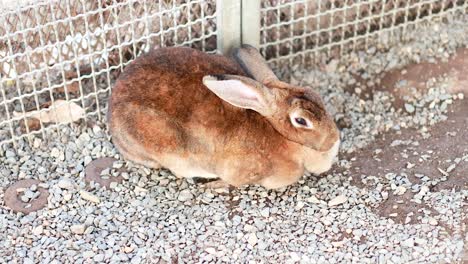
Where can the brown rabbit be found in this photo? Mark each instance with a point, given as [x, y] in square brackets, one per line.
[202, 115]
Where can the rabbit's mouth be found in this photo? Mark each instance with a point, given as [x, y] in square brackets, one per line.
[320, 162]
[330, 144]
[333, 151]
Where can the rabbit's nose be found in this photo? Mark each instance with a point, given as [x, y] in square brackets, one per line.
[330, 142]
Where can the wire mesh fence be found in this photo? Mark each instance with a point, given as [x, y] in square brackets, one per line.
[303, 32]
[59, 59]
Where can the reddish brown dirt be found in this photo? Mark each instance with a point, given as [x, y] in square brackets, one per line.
[448, 140]
[93, 172]
[13, 202]
[416, 75]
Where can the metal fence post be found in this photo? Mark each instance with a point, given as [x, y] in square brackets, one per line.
[250, 22]
[228, 24]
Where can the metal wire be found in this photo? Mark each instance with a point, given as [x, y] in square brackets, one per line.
[334, 24]
[72, 50]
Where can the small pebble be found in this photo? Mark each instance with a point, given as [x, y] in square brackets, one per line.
[89, 197]
[65, 184]
[38, 230]
[432, 221]
[409, 108]
[340, 199]
[78, 229]
[24, 199]
[252, 239]
[185, 195]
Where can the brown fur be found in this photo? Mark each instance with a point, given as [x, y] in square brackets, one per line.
[161, 114]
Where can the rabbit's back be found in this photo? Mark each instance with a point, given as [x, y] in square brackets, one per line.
[169, 81]
[168, 73]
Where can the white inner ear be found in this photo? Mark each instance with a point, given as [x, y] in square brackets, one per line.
[235, 92]
[295, 115]
[233, 88]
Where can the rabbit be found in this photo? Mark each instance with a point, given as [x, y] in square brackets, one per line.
[216, 117]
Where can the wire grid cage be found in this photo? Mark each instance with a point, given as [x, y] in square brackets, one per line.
[59, 59]
[301, 32]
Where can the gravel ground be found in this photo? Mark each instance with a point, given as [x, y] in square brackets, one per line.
[152, 216]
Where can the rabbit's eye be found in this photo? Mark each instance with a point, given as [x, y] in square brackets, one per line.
[301, 121]
[297, 120]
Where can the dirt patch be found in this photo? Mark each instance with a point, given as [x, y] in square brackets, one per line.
[404, 83]
[401, 83]
[407, 151]
[417, 157]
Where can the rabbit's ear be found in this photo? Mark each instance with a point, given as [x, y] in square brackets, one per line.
[254, 64]
[239, 91]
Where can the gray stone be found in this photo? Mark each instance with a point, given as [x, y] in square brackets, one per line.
[185, 195]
